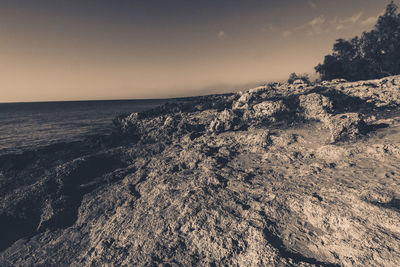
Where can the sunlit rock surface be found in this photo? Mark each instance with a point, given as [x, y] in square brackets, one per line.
[280, 175]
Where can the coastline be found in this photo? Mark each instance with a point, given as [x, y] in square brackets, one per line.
[28, 126]
[283, 174]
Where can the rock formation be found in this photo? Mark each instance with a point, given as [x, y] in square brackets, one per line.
[280, 175]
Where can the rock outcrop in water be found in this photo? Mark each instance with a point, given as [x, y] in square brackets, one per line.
[297, 175]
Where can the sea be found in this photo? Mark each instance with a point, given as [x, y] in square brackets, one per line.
[27, 126]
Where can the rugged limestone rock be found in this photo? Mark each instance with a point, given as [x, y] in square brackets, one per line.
[346, 126]
[265, 112]
[252, 96]
[315, 106]
[381, 93]
[225, 121]
[269, 109]
[228, 180]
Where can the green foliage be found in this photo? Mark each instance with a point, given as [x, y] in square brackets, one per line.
[375, 54]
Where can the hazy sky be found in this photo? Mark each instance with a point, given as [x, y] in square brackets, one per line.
[110, 49]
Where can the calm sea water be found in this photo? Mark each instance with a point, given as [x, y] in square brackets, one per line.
[30, 125]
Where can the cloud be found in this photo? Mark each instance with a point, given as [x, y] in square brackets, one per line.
[316, 21]
[343, 23]
[286, 34]
[369, 21]
[312, 4]
[269, 27]
[355, 19]
[339, 27]
[221, 35]
[314, 26]
[319, 25]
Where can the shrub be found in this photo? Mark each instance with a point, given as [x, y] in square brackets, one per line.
[293, 77]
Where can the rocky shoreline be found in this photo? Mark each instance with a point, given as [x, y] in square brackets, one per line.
[283, 174]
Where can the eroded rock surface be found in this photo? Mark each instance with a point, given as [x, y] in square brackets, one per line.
[315, 106]
[346, 126]
[280, 175]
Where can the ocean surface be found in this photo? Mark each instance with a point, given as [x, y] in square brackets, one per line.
[25, 126]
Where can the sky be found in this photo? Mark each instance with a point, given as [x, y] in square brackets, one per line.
[59, 50]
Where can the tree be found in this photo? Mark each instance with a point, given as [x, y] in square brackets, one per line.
[388, 29]
[373, 55]
[331, 68]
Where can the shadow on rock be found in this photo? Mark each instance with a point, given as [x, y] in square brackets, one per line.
[13, 228]
[53, 203]
[271, 234]
[344, 103]
[393, 204]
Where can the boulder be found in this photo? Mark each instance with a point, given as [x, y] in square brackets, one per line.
[315, 106]
[253, 96]
[243, 101]
[226, 120]
[126, 123]
[346, 126]
[268, 108]
[264, 112]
